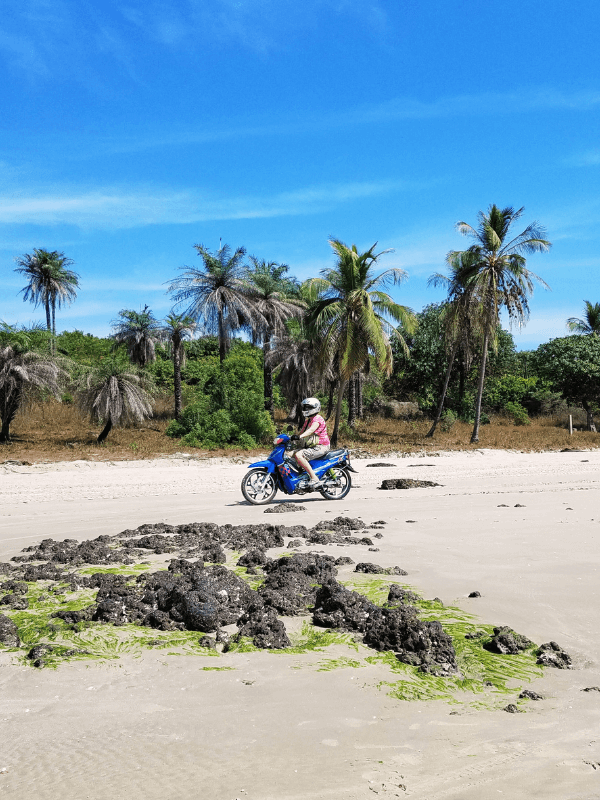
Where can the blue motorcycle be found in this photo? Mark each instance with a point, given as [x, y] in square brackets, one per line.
[281, 471]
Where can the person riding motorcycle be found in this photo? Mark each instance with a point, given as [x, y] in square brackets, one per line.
[314, 430]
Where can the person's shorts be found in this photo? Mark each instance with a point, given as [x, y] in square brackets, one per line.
[311, 453]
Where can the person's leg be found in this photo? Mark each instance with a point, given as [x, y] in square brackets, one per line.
[305, 464]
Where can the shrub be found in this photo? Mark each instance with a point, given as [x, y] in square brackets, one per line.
[517, 413]
[228, 404]
[448, 419]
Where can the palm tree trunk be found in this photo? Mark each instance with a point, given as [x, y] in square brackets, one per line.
[438, 413]
[359, 396]
[338, 411]
[352, 401]
[48, 319]
[475, 434]
[330, 399]
[222, 348]
[53, 342]
[177, 378]
[9, 413]
[590, 416]
[105, 431]
[268, 377]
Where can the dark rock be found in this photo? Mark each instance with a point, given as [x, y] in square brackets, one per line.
[252, 558]
[476, 635]
[551, 654]
[295, 543]
[519, 505]
[527, 694]
[511, 708]
[338, 607]
[375, 569]
[264, 627]
[291, 583]
[591, 689]
[16, 587]
[380, 464]
[342, 560]
[282, 508]
[75, 617]
[406, 483]
[39, 651]
[373, 549]
[502, 505]
[9, 633]
[397, 594]
[506, 642]
[159, 620]
[208, 642]
[16, 601]
[475, 594]
[380, 522]
[340, 523]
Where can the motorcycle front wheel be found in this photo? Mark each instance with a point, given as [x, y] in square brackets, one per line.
[259, 486]
[337, 483]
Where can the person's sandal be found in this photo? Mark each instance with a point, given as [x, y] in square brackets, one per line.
[315, 484]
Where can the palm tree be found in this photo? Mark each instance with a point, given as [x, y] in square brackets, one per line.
[178, 328]
[460, 321]
[216, 294]
[115, 392]
[22, 368]
[276, 299]
[351, 318]
[51, 282]
[138, 331]
[590, 324]
[494, 271]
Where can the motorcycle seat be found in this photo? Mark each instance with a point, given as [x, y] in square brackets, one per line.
[333, 453]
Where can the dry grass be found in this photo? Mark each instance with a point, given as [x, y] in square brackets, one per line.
[54, 431]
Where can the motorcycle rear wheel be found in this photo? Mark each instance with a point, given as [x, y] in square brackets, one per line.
[337, 486]
[259, 486]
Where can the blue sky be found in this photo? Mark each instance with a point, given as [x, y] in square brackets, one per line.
[131, 131]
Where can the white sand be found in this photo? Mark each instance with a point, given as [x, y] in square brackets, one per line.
[160, 726]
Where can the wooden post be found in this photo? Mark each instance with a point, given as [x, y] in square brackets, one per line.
[570, 425]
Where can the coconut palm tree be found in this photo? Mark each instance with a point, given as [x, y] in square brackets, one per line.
[215, 295]
[115, 393]
[177, 329]
[275, 297]
[495, 272]
[353, 317]
[51, 282]
[138, 331]
[460, 322]
[590, 324]
[22, 368]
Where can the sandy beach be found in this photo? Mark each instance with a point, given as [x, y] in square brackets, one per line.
[521, 529]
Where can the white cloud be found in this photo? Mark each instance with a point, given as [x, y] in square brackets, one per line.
[113, 209]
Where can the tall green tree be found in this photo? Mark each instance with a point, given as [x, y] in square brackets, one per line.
[460, 321]
[572, 365]
[215, 295]
[353, 318]
[23, 366]
[494, 271]
[177, 328]
[115, 393]
[590, 324]
[51, 282]
[275, 296]
[139, 331]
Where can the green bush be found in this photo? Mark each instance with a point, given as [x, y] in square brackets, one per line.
[517, 413]
[228, 404]
[448, 419]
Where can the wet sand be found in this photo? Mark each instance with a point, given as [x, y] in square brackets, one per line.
[275, 726]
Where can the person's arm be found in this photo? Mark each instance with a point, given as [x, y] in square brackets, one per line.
[311, 429]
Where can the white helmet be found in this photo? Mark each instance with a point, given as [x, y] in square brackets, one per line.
[310, 407]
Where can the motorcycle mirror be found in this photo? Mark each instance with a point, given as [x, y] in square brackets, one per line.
[289, 429]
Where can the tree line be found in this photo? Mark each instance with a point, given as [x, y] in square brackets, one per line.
[326, 336]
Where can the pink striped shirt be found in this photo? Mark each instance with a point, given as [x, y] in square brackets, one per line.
[321, 430]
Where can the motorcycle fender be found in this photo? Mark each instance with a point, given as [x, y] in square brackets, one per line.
[269, 465]
[350, 468]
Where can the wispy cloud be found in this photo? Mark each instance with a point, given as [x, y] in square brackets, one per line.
[113, 209]
[590, 158]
